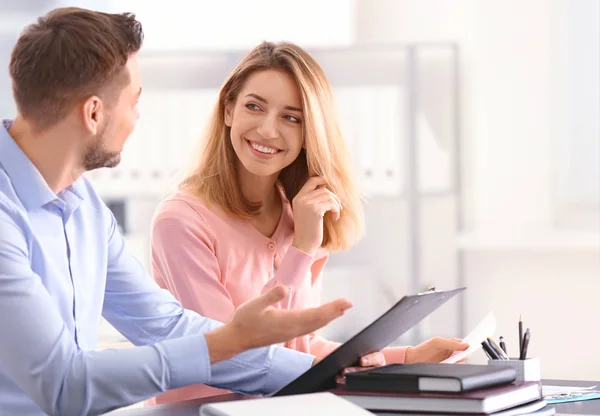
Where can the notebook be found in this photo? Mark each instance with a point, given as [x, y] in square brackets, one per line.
[429, 377]
[314, 404]
[484, 401]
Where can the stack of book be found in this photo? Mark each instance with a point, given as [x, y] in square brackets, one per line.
[444, 389]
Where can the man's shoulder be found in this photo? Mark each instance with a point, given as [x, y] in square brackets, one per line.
[13, 222]
[9, 200]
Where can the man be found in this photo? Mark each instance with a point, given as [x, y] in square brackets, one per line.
[63, 263]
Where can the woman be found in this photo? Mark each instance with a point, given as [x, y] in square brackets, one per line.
[271, 196]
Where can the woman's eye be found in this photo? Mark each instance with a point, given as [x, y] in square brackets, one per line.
[252, 106]
[292, 119]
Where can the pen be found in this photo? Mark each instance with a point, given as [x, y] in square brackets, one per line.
[503, 345]
[485, 349]
[526, 338]
[489, 350]
[497, 349]
[520, 335]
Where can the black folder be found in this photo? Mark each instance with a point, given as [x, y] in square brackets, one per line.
[408, 312]
[430, 377]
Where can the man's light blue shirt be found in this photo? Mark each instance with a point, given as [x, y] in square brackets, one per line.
[63, 264]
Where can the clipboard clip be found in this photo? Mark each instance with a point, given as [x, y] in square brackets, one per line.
[430, 289]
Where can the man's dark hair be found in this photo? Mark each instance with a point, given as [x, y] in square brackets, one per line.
[70, 54]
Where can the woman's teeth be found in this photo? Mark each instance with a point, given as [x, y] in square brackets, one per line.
[264, 149]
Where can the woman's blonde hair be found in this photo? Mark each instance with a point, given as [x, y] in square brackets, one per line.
[215, 177]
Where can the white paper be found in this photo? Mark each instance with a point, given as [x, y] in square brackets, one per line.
[485, 329]
[563, 390]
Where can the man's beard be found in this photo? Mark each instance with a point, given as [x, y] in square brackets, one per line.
[96, 156]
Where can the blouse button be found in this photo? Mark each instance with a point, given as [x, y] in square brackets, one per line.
[271, 246]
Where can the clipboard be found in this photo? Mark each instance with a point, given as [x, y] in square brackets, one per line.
[405, 314]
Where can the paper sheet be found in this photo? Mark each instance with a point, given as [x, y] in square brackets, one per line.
[564, 394]
[485, 329]
[555, 390]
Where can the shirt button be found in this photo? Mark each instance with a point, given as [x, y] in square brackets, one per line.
[79, 328]
[271, 246]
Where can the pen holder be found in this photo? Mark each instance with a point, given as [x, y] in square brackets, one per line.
[527, 370]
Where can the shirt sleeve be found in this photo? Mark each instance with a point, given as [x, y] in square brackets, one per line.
[306, 280]
[297, 272]
[394, 355]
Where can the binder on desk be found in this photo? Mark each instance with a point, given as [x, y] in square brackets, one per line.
[401, 317]
[538, 408]
[429, 377]
[483, 401]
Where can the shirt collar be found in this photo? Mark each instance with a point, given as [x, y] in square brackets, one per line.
[28, 182]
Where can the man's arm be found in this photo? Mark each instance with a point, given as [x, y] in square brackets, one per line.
[44, 361]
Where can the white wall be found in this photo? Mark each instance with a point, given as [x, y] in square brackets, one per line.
[507, 89]
[210, 25]
[577, 112]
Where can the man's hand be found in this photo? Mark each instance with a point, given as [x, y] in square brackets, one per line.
[258, 323]
[434, 350]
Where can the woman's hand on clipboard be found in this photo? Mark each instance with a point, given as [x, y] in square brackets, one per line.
[435, 350]
[375, 359]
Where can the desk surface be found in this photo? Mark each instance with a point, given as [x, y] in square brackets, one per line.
[191, 407]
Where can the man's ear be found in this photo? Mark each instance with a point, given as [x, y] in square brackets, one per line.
[92, 113]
